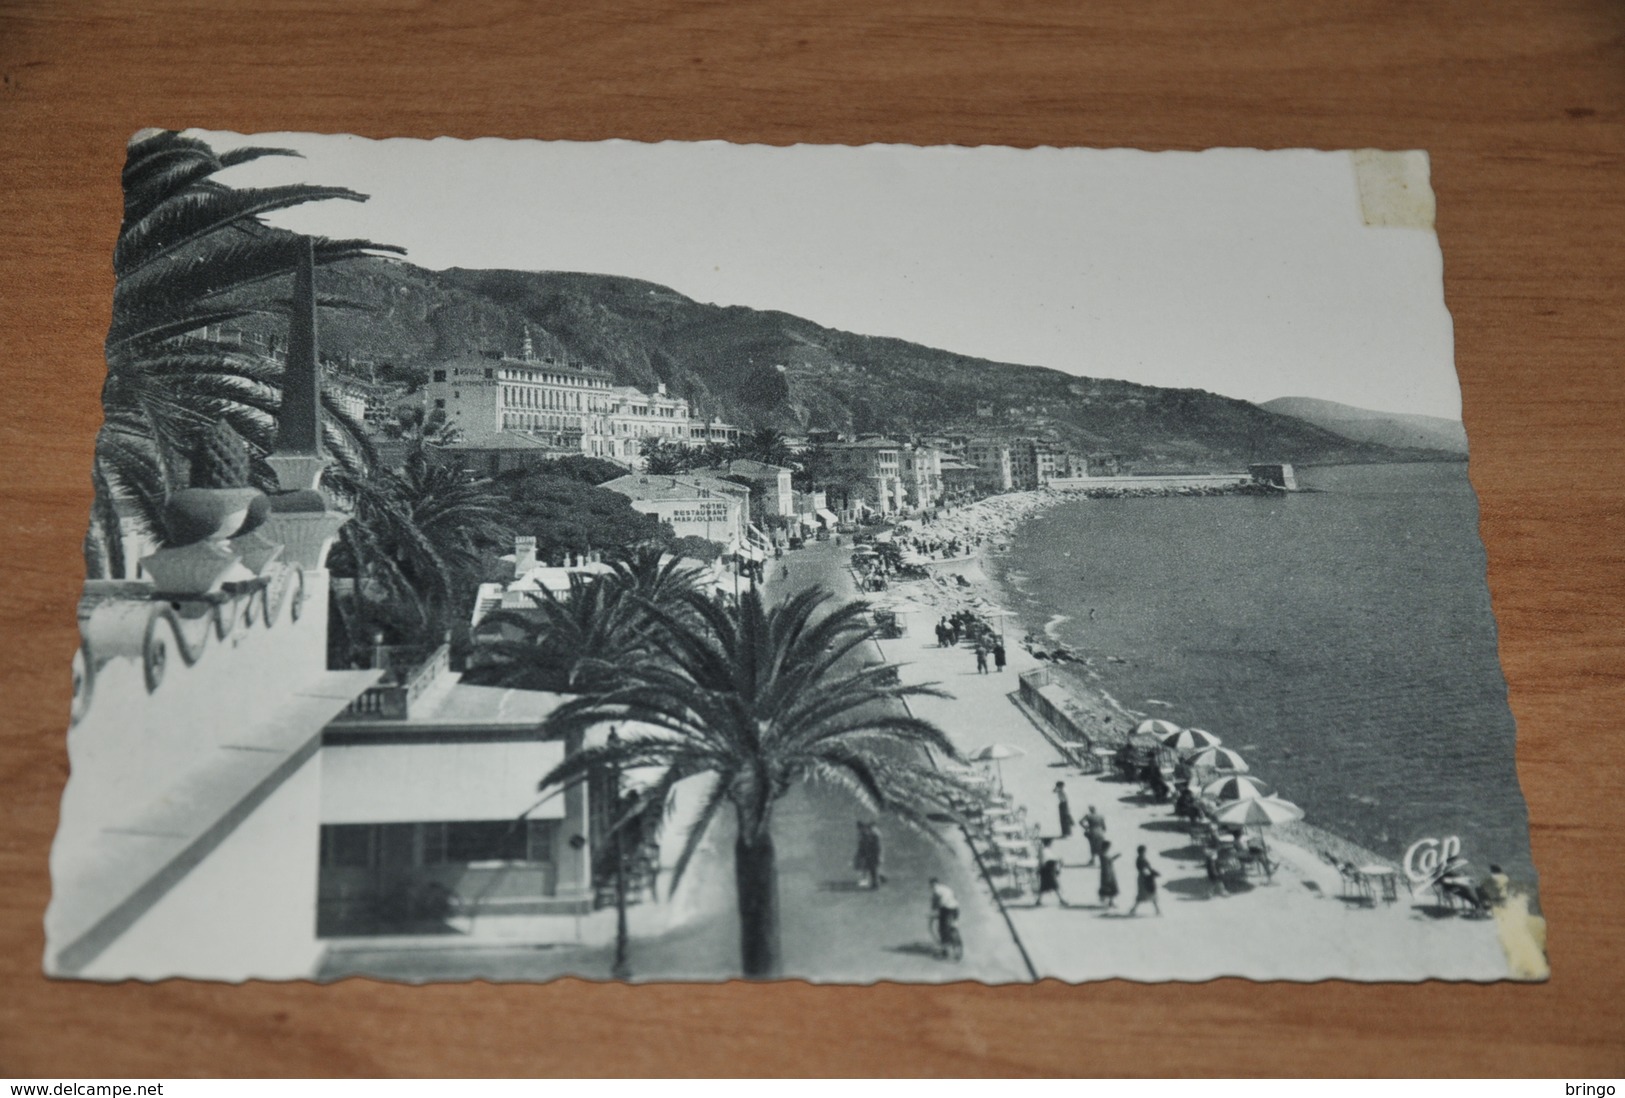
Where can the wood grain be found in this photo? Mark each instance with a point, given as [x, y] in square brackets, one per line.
[1521, 105]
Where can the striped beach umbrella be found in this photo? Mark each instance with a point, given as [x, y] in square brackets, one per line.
[1189, 739]
[1219, 758]
[1237, 787]
[1156, 727]
[1257, 812]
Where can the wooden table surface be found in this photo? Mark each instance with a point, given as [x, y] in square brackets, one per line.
[1521, 106]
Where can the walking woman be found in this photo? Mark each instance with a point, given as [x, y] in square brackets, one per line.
[1108, 874]
[1094, 829]
[1049, 874]
[1065, 810]
[1145, 883]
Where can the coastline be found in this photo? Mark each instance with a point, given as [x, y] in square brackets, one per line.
[1302, 922]
[997, 521]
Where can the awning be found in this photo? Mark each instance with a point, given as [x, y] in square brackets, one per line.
[432, 782]
[828, 518]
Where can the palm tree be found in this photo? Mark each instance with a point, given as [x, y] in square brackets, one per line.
[663, 460]
[580, 641]
[768, 446]
[423, 428]
[193, 254]
[565, 643]
[651, 574]
[760, 700]
[415, 545]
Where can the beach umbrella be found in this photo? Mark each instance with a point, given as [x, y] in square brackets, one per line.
[1237, 787]
[1219, 758]
[1188, 739]
[1257, 812]
[996, 753]
[1156, 727]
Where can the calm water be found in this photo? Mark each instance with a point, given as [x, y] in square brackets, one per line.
[1341, 640]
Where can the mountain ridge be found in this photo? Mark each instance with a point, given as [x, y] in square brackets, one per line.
[1395, 429]
[768, 368]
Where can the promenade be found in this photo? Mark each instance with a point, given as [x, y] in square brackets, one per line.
[832, 930]
[1296, 926]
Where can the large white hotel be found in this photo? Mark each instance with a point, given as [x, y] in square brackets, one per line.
[566, 406]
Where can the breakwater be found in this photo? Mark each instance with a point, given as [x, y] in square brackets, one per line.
[1172, 484]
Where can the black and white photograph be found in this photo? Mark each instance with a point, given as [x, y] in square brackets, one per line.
[514, 560]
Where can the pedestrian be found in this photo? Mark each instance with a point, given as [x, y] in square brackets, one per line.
[1049, 874]
[1215, 874]
[1094, 829]
[998, 654]
[1108, 875]
[981, 658]
[942, 635]
[875, 873]
[1065, 810]
[945, 915]
[867, 861]
[1145, 883]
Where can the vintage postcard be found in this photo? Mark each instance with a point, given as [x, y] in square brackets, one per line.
[512, 560]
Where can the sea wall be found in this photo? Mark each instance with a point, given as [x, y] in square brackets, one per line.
[1060, 714]
[1160, 484]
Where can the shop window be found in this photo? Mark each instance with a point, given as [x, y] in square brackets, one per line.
[395, 845]
[347, 846]
[485, 841]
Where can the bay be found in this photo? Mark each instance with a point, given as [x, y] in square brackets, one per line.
[1341, 639]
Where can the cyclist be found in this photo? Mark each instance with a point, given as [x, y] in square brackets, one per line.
[945, 920]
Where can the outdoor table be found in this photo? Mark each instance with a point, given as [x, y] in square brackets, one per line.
[999, 810]
[1385, 877]
[1027, 867]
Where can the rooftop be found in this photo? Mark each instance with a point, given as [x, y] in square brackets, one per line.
[502, 440]
[750, 465]
[688, 486]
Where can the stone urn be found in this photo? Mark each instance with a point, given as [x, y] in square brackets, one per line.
[199, 521]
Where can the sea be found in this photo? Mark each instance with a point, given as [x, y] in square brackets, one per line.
[1341, 639]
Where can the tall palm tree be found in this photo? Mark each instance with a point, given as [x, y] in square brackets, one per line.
[655, 576]
[193, 253]
[663, 460]
[767, 445]
[415, 544]
[760, 700]
[423, 428]
[565, 643]
[580, 641]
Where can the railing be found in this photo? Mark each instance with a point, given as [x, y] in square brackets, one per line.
[1052, 703]
[393, 701]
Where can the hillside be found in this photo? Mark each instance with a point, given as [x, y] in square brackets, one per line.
[760, 368]
[1383, 428]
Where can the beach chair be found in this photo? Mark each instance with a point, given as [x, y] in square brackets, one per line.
[1355, 883]
[1258, 858]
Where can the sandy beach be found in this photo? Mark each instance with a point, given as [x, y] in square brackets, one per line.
[1298, 925]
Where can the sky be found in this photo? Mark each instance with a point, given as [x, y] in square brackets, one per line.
[1247, 273]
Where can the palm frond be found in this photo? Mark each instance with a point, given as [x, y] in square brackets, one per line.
[715, 798]
[195, 212]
